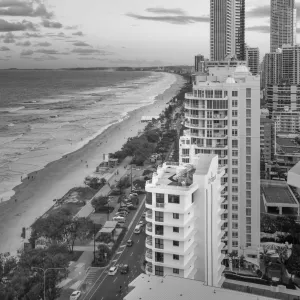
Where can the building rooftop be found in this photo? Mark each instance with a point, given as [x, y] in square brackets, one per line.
[147, 287]
[295, 169]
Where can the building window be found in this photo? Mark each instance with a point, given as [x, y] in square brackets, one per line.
[175, 199]
[248, 238]
[248, 113]
[235, 189]
[235, 123]
[235, 207]
[234, 103]
[248, 141]
[248, 176]
[248, 93]
[235, 162]
[186, 160]
[159, 230]
[248, 168]
[248, 150]
[209, 93]
[248, 212]
[248, 229]
[193, 197]
[175, 271]
[235, 234]
[159, 216]
[248, 203]
[225, 93]
[248, 185]
[176, 243]
[175, 216]
[218, 93]
[159, 271]
[235, 171]
[176, 229]
[235, 225]
[234, 93]
[248, 103]
[160, 198]
[235, 143]
[248, 220]
[248, 194]
[248, 122]
[248, 159]
[159, 243]
[149, 198]
[234, 132]
[235, 217]
[248, 131]
[235, 198]
[185, 151]
[234, 113]
[175, 256]
[235, 153]
[159, 257]
[235, 243]
[234, 180]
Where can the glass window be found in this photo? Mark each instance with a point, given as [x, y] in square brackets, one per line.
[159, 243]
[248, 159]
[235, 225]
[159, 271]
[235, 171]
[248, 229]
[159, 216]
[234, 143]
[248, 211]
[160, 198]
[159, 257]
[248, 185]
[248, 194]
[218, 93]
[234, 132]
[235, 189]
[175, 216]
[248, 150]
[234, 122]
[248, 141]
[225, 93]
[248, 238]
[248, 168]
[234, 103]
[175, 271]
[234, 113]
[149, 198]
[175, 256]
[209, 93]
[234, 180]
[235, 153]
[235, 162]
[235, 243]
[235, 207]
[235, 217]
[235, 198]
[176, 243]
[175, 199]
[235, 234]
[248, 113]
[248, 177]
[176, 229]
[248, 203]
[248, 122]
[234, 93]
[248, 131]
[186, 160]
[248, 220]
[248, 93]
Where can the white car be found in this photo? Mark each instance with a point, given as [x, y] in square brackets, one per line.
[141, 223]
[75, 295]
[137, 229]
[112, 271]
[119, 219]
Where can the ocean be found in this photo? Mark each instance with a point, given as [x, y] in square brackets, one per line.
[45, 114]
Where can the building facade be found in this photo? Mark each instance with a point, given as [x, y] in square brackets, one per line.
[199, 63]
[272, 68]
[184, 221]
[283, 96]
[291, 64]
[227, 29]
[266, 139]
[221, 117]
[283, 23]
[252, 57]
[287, 121]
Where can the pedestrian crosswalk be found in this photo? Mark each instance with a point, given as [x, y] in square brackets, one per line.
[92, 276]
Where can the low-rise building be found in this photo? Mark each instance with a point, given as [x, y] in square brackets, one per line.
[184, 229]
[287, 120]
[287, 152]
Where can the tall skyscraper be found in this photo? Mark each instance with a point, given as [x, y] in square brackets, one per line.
[227, 29]
[283, 23]
[252, 57]
[199, 63]
[291, 64]
[272, 68]
[221, 117]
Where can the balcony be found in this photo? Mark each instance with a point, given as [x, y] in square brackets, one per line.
[161, 205]
[219, 126]
[149, 268]
[189, 106]
[149, 214]
[149, 241]
[149, 254]
[224, 238]
[149, 228]
[220, 135]
[220, 117]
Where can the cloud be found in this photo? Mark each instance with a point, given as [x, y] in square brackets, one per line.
[8, 38]
[79, 33]
[4, 58]
[26, 53]
[259, 28]
[59, 36]
[6, 26]
[172, 11]
[259, 12]
[71, 27]
[49, 24]
[24, 44]
[46, 57]
[23, 9]
[43, 44]
[32, 35]
[92, 58]
[4, 48]
[136, 62]
[49, 51]
[81, 44]
[87, 51]
[178, 20]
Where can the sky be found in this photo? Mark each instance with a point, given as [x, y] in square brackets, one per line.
[110, 33]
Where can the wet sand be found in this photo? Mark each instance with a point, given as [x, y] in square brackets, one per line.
[36, 194]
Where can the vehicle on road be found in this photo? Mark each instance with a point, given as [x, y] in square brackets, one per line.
[124, 269]
[144, 215]
[137, 229]
[129, 243]
[119, 219]
[122, 213]
[112, 270]
[141, 223]
[75, 295]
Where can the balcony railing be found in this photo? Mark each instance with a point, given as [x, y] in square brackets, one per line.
[221, 117]
[149, 241]
[160, 205]
[220, 126]
[194, 106]
[149, 268]
[149, 227]
[149, 214]
[149, 254]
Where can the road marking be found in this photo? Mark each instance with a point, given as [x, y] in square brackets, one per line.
[131, 254]
[114, 260]
[119, 252]
[115, 279]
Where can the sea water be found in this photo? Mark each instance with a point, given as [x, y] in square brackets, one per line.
[45, 114]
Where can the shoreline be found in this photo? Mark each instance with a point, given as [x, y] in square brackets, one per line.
[35, 195]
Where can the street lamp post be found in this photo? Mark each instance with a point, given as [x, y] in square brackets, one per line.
[45, 271]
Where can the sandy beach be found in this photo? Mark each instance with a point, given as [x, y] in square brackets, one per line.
[35, 195]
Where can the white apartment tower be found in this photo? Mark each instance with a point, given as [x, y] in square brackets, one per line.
[227, 29]
[222, 117]
[184, 220]
[252, 57]
[283, 23]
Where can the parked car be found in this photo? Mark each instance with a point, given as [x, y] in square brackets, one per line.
[120, 213]
[123, 209]
[113, 270]
[119, 219]
[124, 269]
[137, 229]
[141, 223]
[129, 243]
[75, 295]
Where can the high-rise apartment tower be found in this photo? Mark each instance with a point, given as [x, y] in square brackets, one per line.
[252, 56]
[227, 29]
[283, 23]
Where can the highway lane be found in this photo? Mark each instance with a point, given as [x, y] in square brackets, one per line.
[107, 287]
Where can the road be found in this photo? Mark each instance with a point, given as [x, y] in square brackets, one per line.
[107, 287]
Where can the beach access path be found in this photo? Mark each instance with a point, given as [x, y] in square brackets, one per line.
[35, 195]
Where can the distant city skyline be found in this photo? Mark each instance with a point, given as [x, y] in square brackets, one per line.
[72, 33]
